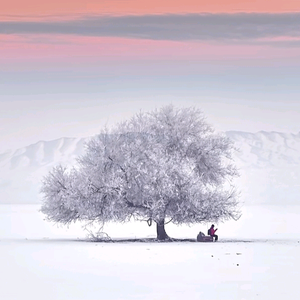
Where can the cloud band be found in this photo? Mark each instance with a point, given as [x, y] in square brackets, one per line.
[240, 26]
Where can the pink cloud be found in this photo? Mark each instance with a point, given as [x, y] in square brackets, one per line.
[73, 48]
[58, 7]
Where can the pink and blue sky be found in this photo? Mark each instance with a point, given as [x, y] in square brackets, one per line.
[69, 67]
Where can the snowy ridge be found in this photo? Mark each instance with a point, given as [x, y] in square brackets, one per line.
[22, 170]
[266, 148]
[254, 149]
[43, 153]
[269, 164]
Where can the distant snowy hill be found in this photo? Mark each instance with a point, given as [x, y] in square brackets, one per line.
[22, 170]
[269, 164]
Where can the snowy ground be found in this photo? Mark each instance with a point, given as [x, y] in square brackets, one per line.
[41, 261]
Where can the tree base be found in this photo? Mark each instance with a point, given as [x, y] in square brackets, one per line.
[161, 232]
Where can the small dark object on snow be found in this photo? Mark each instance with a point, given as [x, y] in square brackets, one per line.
[201, 237]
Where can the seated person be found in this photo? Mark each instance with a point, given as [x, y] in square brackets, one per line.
[212, 231]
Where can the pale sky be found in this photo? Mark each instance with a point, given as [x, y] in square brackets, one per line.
[67, 69]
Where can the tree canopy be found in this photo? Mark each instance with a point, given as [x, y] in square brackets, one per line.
[167, 165]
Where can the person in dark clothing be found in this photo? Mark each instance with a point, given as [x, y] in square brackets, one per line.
[212, 232]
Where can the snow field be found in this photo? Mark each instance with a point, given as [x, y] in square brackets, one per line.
[45, 269]
[42, 261]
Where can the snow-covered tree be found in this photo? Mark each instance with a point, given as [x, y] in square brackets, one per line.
[163, 166]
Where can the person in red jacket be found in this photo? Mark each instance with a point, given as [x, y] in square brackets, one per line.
[212, 231]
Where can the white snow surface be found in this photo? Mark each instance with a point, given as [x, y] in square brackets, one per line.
[268, 162]
[255, 258]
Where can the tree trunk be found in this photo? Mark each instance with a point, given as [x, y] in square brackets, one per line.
[161, 232]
